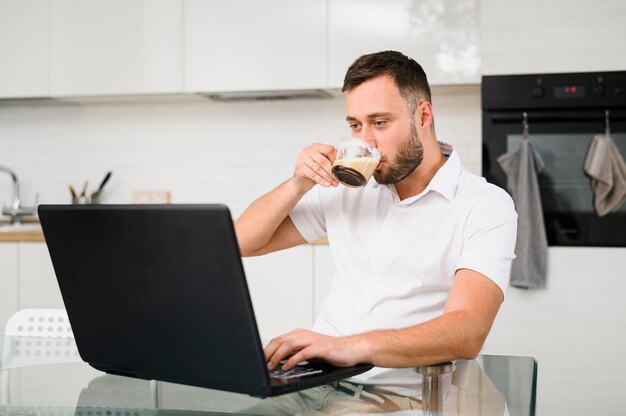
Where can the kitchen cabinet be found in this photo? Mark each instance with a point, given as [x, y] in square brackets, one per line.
[102, 47]
[27, 279]
[442, 36]
[23, 48]
[537, 36]
[8, 281]
[243, 45]
[576, 325]
[323, 268]
[281, 289]
[37, 280]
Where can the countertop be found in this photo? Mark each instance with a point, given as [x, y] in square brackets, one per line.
[37, 235]
[28, 234]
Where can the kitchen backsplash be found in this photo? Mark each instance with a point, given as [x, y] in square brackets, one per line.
[199, 150]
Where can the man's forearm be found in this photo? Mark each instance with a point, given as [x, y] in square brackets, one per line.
[259, 222]
[264, 227]
[449, 337]
[452, 336]
[459, 333]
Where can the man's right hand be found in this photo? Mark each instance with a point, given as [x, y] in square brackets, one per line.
[314, 165]
[265, 226]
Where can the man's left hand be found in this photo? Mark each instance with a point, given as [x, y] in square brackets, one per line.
[301, 345]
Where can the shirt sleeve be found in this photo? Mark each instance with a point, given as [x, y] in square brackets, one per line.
[489, 238]
[308, 215]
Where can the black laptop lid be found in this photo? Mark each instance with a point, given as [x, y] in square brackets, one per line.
[157, 292]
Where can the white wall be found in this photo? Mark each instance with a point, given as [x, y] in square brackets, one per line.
[201, 151]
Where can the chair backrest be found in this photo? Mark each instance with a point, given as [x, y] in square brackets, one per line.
[38, 336]
[39, 323]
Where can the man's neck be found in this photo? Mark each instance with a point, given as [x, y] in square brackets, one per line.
[419, 179]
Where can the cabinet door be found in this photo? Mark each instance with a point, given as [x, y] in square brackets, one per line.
[441, 36]
[537, 36]
[23, 48]
[323, 267]
[243, 45]
[38, 283]
[8, 282]
[115, 47]
[281, 288]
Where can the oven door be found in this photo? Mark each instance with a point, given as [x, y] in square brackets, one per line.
[562, 139]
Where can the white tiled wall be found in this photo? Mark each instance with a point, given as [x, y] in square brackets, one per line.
[201, 151]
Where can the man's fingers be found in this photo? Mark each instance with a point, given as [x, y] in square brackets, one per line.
[302, 355]
[316, 162]
[327, 150]
[285, 347]
[322, 169]
[270, 349]
[301, 345]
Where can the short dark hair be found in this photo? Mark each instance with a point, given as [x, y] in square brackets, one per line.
[408, 75]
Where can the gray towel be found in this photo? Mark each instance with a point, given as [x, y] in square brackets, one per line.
[522, 166]
[607, 170]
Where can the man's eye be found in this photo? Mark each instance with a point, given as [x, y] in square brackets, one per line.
[354, 126]
[380, 123]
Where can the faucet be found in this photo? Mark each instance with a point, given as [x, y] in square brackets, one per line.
[15, 209]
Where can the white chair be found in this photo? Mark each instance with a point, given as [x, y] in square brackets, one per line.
[42, 336]
[39, 323]
[36, 337]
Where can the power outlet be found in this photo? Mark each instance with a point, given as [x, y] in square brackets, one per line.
[152, 197]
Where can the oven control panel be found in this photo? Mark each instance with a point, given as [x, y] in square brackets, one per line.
[588, 89]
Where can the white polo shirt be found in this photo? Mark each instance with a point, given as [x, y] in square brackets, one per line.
[395, 261]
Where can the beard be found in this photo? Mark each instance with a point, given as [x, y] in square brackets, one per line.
[409, 156]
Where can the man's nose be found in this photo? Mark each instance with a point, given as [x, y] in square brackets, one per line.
[367, 135]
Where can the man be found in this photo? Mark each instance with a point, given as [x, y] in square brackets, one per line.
[422, 253]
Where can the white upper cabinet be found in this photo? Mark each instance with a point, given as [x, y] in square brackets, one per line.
[440, 35]
[537, 36]
[243, 45]
[23, 48]
[101, 47]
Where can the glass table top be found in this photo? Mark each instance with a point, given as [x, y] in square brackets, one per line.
[46, 377]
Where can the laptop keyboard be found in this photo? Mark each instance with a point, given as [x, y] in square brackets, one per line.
[297, 371]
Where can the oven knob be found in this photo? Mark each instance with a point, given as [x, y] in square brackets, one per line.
[539, 91]
[599, 90]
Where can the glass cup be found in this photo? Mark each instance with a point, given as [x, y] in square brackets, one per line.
[355, 162]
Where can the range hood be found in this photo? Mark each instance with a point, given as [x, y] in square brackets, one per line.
[270, 95]
[230, 96]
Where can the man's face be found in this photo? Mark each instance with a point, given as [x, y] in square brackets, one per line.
[378, 115]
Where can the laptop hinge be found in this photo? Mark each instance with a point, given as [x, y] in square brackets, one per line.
[119, 371]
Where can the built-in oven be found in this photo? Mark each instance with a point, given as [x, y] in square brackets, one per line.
[563, 113]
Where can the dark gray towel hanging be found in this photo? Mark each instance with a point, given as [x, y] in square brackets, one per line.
[522, 167]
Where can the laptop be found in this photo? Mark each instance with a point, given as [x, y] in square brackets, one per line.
[159, 292]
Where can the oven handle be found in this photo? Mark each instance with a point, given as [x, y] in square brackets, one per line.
[555, 116]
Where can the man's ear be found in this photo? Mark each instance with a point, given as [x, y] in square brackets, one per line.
[424, 114]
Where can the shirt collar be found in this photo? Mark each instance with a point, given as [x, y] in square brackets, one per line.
[446, 179]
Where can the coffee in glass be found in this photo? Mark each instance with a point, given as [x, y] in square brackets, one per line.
[355, 162]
